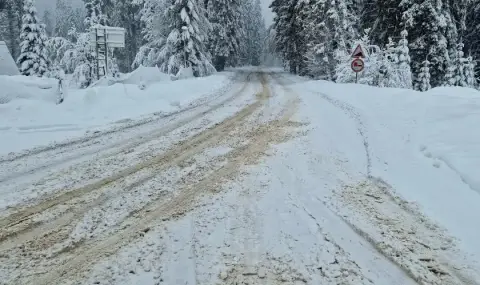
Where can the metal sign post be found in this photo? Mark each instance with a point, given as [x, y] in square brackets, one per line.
[357, 64]
[101, 39]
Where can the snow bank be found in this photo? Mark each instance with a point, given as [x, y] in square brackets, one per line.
[426, 145]
[184, 73]
[25, 87]
[148, 75]
[31, 118]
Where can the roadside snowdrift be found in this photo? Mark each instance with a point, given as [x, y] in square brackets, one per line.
[30, 118]
[425, 145]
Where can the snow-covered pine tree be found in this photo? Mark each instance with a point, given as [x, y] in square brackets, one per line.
[243, 22]
[317, 36]
[387, 72]
[340, 22]
[185, 45]
[471, 36]
[459, 11]
[11, 24]
[126, 14]
[301, 12]
[33, 56]
[383, 18]
[470, 73]
[281, 9]
[460, 64]
[270, 54]
[288, 26]
[95, 13]
[67, 17]
[258, 35]
[224, 16]
[422, 82]
[254, 32]
[431, 32]
[48, 22]
[403, 54]
[154, 31]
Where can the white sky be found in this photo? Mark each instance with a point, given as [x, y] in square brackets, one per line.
[50, 4]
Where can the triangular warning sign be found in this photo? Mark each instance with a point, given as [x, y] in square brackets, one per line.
[358, 52]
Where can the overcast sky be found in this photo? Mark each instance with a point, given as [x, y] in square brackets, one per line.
[50, 4]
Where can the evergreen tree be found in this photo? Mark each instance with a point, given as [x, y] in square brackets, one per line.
[33, 56]
[317, 37]
[185, 45]
[471, 36]
[470, 73]
[403, 53]
[253, 32]
[11, 24]
[256, 34]
[431, 32]
[66, 17]
[126, 15]
[95, 13]
[155, 29]
[422, 82]
[48, 22]
[287, 26]
[224, 15]
[383, 18]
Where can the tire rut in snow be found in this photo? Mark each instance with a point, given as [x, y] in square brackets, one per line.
[75, 258]
[350, 111]
[403, 234]
[172, 157]
[11, 163]
[26, 215]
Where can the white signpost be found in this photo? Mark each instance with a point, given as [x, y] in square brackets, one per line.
[357, 64]
[101, 39]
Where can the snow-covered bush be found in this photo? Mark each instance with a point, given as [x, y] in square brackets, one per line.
[80, 61]
[56, 48]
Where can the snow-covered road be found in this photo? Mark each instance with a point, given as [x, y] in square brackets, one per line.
[263, 182]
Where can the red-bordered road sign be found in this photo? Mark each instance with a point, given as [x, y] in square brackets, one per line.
[358, 52]
[358, 65]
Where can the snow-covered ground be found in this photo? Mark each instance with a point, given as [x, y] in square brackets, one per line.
[31, 118]
[278, 180]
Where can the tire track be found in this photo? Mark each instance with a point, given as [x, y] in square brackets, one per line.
[179, 153]
[402, 233]
[67, 195]
[78, 259]
[351, 112]
[86, 142]
[398, 241]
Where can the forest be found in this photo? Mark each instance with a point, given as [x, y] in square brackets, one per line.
[417, 44]
[206, 35]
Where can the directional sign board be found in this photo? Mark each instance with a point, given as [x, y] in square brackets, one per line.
[358, 52]
[357, 65]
